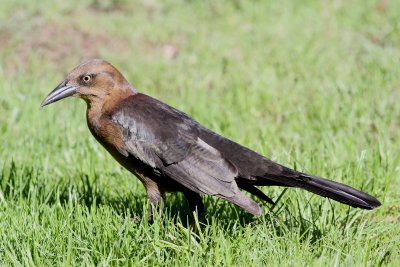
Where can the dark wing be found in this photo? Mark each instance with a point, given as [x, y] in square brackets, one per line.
[205, 162]
[168, 140]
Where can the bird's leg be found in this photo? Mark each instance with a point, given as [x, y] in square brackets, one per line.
[156, 203]
[155, 195]
[195, 203]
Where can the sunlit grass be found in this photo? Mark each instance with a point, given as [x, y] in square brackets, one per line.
[313, 85]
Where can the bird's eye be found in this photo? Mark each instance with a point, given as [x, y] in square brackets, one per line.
[86, 78]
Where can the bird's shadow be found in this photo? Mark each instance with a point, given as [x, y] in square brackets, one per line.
[89, 192]
[277, 218]
[84, 190]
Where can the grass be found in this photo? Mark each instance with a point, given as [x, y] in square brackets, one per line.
[313, 85]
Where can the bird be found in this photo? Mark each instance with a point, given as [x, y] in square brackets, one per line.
[171, 152]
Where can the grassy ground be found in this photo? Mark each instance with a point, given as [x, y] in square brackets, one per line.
[311, 84]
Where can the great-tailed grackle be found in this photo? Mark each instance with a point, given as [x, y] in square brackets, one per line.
[169, 151]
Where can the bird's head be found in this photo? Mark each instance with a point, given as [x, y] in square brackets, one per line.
[93, 80]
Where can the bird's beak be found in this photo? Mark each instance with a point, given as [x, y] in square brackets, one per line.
[60, 92]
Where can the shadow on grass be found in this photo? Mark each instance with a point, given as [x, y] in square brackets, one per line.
[81, 189]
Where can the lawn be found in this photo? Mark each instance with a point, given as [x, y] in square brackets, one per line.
[314, 85]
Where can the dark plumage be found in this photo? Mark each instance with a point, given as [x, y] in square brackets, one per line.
[169, 151]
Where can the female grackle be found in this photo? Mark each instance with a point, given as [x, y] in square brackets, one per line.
[169, 151]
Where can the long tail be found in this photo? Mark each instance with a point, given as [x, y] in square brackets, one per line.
[339, 192]
[320, 186]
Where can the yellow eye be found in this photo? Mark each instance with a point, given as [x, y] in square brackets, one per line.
[86, 78]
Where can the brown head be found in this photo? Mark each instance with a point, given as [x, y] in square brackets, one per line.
[94, 81]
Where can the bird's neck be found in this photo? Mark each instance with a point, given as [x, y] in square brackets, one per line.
[93, 116]
[100, 108]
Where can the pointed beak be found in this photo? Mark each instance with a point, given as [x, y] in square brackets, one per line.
[60, 92]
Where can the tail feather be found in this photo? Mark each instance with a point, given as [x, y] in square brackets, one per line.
[255, 191]
[339, 192]
[323, 187]
[320, 186]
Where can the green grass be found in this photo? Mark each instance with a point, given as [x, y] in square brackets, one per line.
[313, 85]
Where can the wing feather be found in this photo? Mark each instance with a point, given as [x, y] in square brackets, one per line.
[164, 139]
